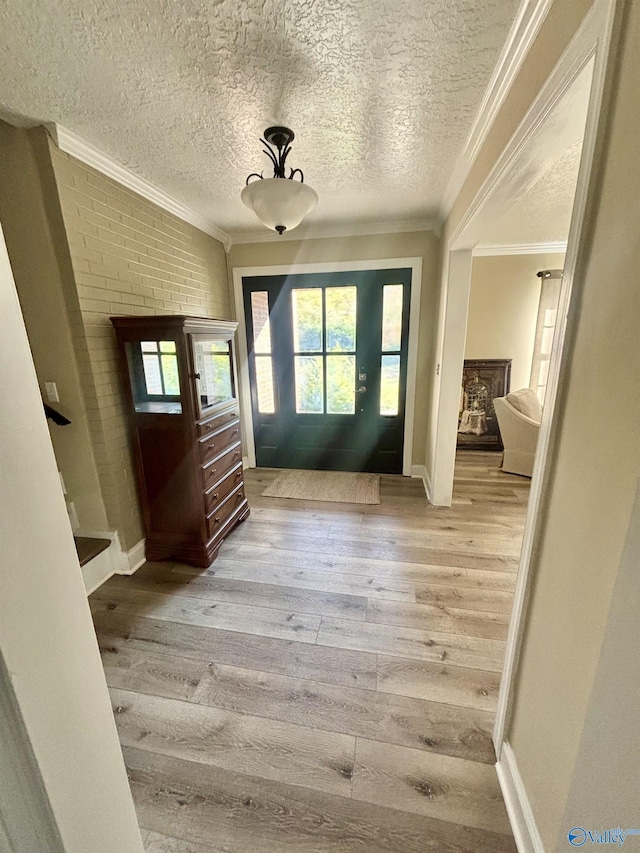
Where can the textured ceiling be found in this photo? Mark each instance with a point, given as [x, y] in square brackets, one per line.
[381, 93]
[543, 214]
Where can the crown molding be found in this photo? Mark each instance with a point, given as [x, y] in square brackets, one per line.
[525, 28]
[350, 229]
[82, 150]
[520, 249]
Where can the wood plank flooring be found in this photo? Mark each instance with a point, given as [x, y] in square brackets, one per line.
[330, 682]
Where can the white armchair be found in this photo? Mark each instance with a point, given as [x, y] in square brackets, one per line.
[519, 415]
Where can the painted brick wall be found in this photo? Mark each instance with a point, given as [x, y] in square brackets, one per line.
[129, 257]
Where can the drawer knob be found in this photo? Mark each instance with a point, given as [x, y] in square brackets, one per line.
[215, 496]
[211, 447]
[212, 471]
[217, 519]
[235, 432]
[238, 474]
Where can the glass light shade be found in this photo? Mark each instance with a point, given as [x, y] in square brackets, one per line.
[279, 202]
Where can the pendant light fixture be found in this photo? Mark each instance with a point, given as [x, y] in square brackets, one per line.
[279, 202]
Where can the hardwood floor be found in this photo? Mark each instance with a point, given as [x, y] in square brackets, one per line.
[330, 683]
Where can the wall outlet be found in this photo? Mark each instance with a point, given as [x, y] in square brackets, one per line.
[52, 392]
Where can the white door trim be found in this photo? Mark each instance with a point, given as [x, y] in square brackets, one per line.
[414, 264]
[591, 43]
[594, 40]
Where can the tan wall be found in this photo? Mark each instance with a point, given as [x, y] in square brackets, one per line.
[38, 276]
[591, 494]
[503, 309]
[422, 244]
[610, 737]
[129, 257]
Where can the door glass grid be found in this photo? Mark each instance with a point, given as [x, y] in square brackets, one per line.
[214, 372]
[324, 323]
[392, 300]
[262, 350]
[160, 365]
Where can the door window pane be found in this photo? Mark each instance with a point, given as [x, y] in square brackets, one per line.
[213, 364]
[264, 379]
[309, 384]
[170, 374]
[152, 375]
[306, 306]
[389, 384]
[392, 295]
[341, 379]
[340, 308]
[260, 319]
[160, 368]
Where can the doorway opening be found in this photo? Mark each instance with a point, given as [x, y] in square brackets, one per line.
[569, 101]
[327, 359]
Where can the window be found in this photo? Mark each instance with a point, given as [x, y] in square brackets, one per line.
[155, 378]
[545, 329]
[392, 296]
[324, 343]
[160, 366]
[262, 350]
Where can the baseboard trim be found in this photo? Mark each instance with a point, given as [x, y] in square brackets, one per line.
[133, 558]
[114, 561]
[428, 487]
[106, 564]
[420, 472]
[96, 572]
[519, 809]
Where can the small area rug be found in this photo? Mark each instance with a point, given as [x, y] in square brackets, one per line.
[339, 486]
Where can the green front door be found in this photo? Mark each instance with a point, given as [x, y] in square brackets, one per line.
[328, 369]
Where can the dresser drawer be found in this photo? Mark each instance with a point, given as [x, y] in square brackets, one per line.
[213, 445]
[217, 493]
[217, 519]
[222, 464]
[212, 424]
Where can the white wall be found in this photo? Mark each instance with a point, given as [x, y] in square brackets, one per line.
[503, 308]
[47, 639]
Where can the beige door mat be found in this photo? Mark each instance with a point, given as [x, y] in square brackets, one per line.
[339, 486]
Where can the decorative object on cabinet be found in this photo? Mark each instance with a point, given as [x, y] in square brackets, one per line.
[482, 381]
[180, 382]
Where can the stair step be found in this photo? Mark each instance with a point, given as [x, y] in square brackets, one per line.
[88, 547]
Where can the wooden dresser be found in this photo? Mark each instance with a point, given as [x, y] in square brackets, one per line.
[180, 382]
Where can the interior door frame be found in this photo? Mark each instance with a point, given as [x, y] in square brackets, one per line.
[592, 42]
[246, 410]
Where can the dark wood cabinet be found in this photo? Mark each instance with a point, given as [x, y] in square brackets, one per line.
[180, 383]
[482, 381]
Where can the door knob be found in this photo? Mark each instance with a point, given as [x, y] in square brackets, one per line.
[361, 390]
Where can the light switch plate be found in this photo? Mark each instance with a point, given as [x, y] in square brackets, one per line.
[52, 392]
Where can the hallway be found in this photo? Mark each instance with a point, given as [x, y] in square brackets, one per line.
[329, 684]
